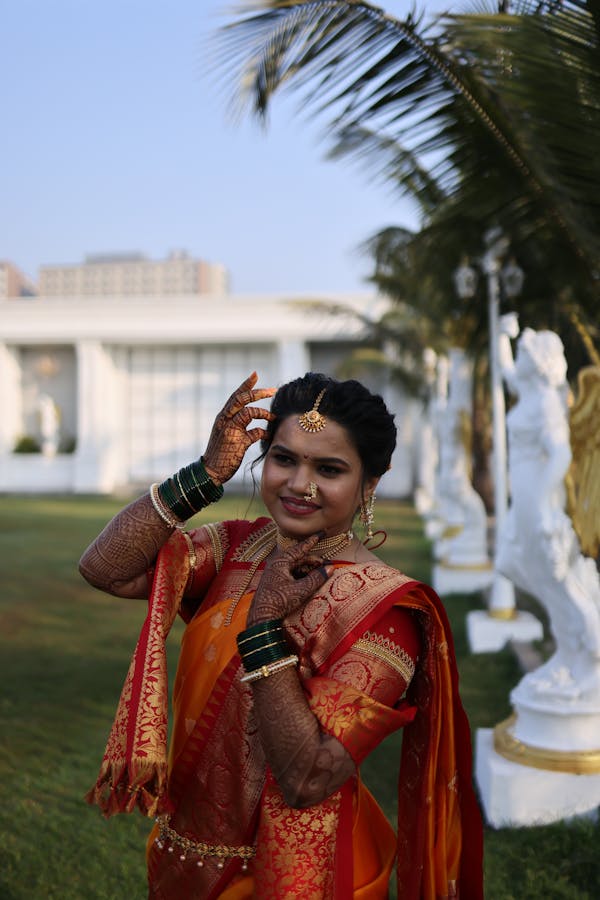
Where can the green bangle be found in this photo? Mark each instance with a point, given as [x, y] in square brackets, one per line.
[257, 640]
[264, 656]
[213, 491]
[259, 628]
[189, 490]
[262, 643]
[265, 649]
[171, 496]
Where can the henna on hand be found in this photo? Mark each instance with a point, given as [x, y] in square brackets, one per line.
[307, 764]
[281, 589]
[230, 436]
[118, 559]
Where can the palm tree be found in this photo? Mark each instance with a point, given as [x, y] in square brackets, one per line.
[487, 118]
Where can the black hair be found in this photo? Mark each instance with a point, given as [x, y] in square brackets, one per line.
[369, 424]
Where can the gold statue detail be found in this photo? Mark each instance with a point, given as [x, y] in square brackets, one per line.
[583, 479]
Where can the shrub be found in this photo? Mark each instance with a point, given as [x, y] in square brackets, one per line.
[27, 444]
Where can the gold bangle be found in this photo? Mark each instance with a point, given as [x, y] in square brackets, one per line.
[166, 515]
[270, 669]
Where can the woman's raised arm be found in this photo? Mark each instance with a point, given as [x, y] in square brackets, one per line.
[118, 560]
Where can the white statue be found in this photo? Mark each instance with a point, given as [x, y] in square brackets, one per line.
[49, 424]
[540, 552]
[461, 545]
[427, 442]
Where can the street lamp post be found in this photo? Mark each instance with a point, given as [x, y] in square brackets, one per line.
[502, 597]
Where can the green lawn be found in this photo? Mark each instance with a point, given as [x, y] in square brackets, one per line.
[64, 651]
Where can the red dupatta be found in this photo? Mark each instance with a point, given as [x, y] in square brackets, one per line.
[133, 772]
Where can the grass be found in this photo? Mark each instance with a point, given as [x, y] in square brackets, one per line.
[64, 651]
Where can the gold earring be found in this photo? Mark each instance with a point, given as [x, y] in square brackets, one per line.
[367, 515]
[311, 494]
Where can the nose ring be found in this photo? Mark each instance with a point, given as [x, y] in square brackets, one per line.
[311, 494]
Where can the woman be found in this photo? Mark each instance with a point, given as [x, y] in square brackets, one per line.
[301, 653]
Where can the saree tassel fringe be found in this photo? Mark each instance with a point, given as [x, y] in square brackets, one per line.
[121, 790]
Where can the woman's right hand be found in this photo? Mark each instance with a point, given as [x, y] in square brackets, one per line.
[230, 436]
[282, 589]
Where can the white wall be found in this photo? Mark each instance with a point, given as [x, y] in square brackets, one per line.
[140, 380]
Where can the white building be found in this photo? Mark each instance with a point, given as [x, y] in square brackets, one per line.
[135, 384]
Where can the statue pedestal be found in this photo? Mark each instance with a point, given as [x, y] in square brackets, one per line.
[489, 634]
[513, 795]
[461, 579]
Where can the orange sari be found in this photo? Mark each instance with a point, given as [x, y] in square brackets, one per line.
[221, 792]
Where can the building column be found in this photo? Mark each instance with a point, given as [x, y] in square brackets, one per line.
[293, 359]
[100, 464]
[10, 398]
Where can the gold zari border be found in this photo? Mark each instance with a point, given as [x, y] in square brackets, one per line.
[217, 547]
[388, 652]
[582, 762]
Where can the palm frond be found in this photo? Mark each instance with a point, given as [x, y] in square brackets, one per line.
[544, 71]
[448, 102]
[384, 158]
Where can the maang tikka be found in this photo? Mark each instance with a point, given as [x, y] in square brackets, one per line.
[312, 420]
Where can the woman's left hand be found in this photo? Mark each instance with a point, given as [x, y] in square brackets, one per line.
[279, 592]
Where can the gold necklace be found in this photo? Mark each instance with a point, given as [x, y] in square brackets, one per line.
[264, 550]
[328, 547]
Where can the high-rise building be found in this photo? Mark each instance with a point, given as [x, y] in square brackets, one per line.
[132, 274]
[13, 282]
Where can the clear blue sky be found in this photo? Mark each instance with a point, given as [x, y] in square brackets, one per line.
[114, 139]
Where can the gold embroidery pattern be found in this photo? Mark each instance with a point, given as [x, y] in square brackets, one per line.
[254, 543]
[216, 534]
[259, 549]
[387, 651]
[192, 557]
[343, 602]
[116, 748]
[357, 721]
[151, 724]
[215, 786]
[137, 775]
[296, 848]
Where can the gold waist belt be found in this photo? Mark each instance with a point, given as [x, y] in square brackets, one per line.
[186, 847]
